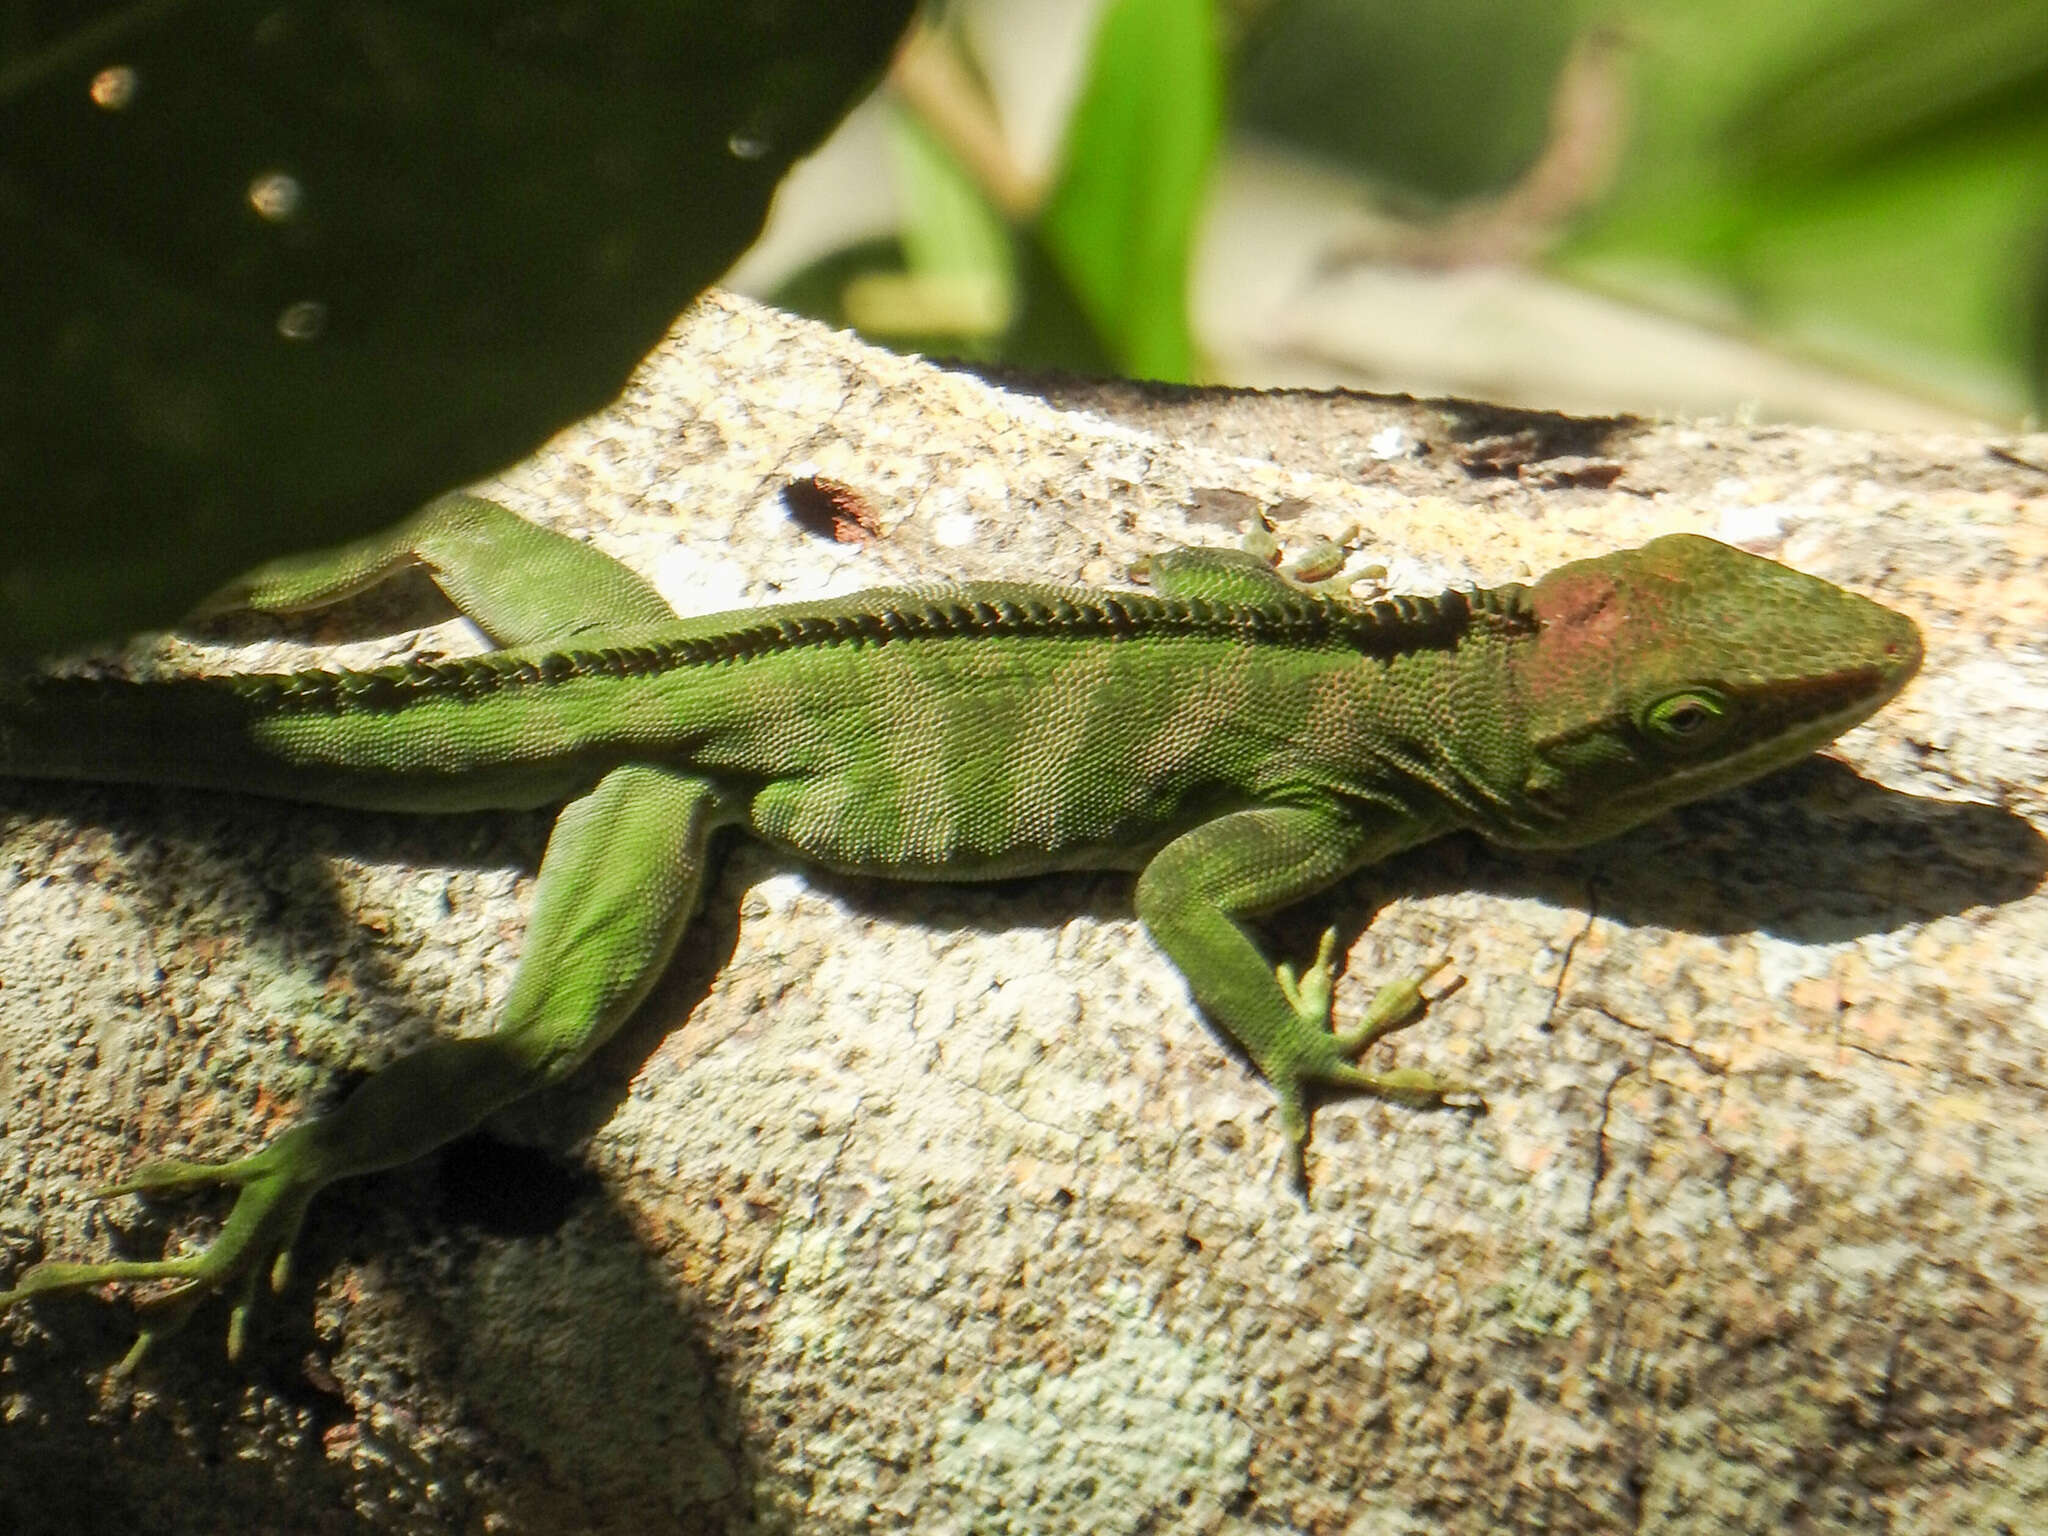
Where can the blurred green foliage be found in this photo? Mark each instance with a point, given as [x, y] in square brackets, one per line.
[1434, 102]
[1866, 183]
[1122, 216]
[1862, 181]
[1093, 277]
[275, 271]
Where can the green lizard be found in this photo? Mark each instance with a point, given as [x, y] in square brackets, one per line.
[1236, 742]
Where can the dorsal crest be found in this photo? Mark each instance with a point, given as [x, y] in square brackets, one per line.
[1382, 629]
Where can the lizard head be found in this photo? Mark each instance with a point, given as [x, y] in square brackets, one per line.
[1661, 674]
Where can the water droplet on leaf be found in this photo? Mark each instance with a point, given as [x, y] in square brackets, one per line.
[303, 321]
[276, 196]
[113, 87]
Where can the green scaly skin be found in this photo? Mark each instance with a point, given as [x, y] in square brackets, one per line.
[1236, 742]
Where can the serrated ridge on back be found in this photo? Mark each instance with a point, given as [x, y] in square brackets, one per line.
[1382, 629]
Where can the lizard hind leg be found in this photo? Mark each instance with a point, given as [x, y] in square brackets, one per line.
[273, 1187]
[617, 885]
[521, 583]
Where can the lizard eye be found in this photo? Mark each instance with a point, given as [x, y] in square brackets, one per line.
[1686, 720]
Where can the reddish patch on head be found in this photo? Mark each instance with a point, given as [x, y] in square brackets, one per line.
[1580, 610]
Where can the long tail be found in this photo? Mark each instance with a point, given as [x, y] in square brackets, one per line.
[462, 736]
[187, 731]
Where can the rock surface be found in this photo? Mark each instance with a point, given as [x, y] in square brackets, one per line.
[938, 1209]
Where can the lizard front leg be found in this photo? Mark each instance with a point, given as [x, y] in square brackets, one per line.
[1193, 897]
[617, 885]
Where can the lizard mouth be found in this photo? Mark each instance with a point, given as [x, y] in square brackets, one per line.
[1788, 746]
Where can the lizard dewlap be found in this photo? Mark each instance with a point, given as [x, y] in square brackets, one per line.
[1236, 742]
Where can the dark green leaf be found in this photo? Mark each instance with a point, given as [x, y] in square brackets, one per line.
[272, 273]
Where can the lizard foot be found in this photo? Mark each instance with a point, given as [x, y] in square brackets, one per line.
[254, 1243]
[1333, 1064]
